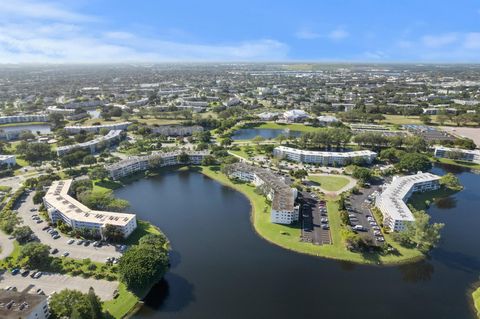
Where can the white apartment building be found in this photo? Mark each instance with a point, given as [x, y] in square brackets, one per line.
[61, 206]
[93, 145]
[96, 128]
[392, 201]
[24, 305]
[284, 210]
[140, 163]
[457, 153]
[9, 160]
[322, 158]
[24, 118]
[291, 116]
[176, 130]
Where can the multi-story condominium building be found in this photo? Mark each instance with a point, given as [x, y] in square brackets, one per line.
[284, 210]
[93, 145]
[134, 164]
[87, 104]
[176, 130]
[291, 116]
[8, 160]
[61, 206]
[24, 305]
[96, 128]
[392, 201]
[140, 102]
[458, 154]
[57, 110]
[24, 118]
[322, 158]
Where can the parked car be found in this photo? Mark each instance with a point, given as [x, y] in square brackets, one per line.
[56, 237]
[71, 241]
[54, 251]
[15, 271]
[80, 242]
[38, 275]
[359, 228]
[25, 272]
[65, 254]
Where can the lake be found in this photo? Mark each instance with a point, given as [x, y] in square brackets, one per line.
[222, 269]
[266, 133]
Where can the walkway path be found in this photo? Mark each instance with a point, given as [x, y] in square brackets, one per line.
[351, 184]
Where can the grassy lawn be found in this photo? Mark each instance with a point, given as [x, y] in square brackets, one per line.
[287, 236]
[143, 228]
[123, 304]
[25, 123]
[292, 127]
[330, 183]
[476, 300]
[456, 163]
[400, 119]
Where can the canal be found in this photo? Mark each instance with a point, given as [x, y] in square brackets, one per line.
[222, 269]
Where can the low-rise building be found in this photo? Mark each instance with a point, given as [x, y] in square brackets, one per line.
[9, 160]
[134, 164]
[327, 120]
[284, 210]
[292, 116]
[96, 128]
[457, 154]
[323, 157]
[61, 206]
[24, 118]
[176, 130]
[93, 145]
[392, 201]
[23, 305]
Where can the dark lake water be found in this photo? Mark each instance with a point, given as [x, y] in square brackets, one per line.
[222, 269]
[266, 133]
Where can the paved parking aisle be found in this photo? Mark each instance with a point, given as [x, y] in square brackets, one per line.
[99, 254]
[51, 283]
[315, 222]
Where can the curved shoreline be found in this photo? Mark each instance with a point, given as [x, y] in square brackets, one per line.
[329, 251]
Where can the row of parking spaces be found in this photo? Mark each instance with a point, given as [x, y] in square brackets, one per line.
[360, 217]
[315, 227]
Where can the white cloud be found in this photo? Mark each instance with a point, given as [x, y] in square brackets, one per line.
[307, 34]
[338, 34]
[50, 33]
[436, 41]
[472, 40]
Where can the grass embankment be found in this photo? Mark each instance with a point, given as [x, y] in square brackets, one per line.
[330, 183]
[476, 300]
[288, 236]
[455, 162]
[22, 124]
[123, 304]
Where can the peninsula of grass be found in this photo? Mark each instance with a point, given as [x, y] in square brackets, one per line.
[288, 236]
[23, 124]
[449, 161]
[329, 183]
[476, 301]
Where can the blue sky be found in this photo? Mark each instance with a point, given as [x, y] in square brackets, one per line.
[175, 31]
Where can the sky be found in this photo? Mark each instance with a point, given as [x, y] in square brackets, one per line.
[127, 31]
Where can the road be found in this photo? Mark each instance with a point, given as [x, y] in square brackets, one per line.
[76, 251]
[51, 283]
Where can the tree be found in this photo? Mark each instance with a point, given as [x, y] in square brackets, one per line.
[98, 173]
[425, 235]
[226, 141]
[35, 255]
[451, 181]
[22, 234]
[38, 197]
[362, 173]
[390, 154]
[183, 158]
[209, 160]
[56, 119]
[89, 160]
[34, 152]
[258, 139]
[442, 118]
[413, 162]
[425, 119]
[75, 304]
[300, 174]
[144, 264]
[112, 233]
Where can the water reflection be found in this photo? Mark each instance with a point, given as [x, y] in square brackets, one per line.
[421, 271]
[177, 290]
[446, 203]
[449, 168]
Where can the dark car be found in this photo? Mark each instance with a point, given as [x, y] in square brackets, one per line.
[54, 251]
[25, 273]
[15, 271]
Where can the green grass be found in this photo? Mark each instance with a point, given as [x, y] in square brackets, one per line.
[456, 163]
[143, 228]
[5, 188]
[123, 304]
[292, 127]
[330, 183]
[400, 119]
[476, 300]
[23, 123]
[288, 236]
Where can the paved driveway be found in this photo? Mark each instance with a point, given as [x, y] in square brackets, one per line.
[51, 283]
[76, 251]
[6, 245]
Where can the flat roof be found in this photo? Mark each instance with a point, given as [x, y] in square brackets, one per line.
[393, 197]
[15, 304]
[324, 153]
[57, 196]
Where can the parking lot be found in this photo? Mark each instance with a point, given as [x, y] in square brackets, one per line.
[26, 209]
[361, 219]
[315, 227]
[51, 283]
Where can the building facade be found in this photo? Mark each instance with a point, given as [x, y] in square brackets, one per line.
[322, 158]
[176, 130]
[96, 128]
[140, 163]
[392, 201]
[284, 210]
[24, 118]
[61, 206]
[458, 154]
[93, 145]
[9, 160]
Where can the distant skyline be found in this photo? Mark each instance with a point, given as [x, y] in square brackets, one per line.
[107, 31]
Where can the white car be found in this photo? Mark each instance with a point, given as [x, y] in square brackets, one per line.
[71, 241]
